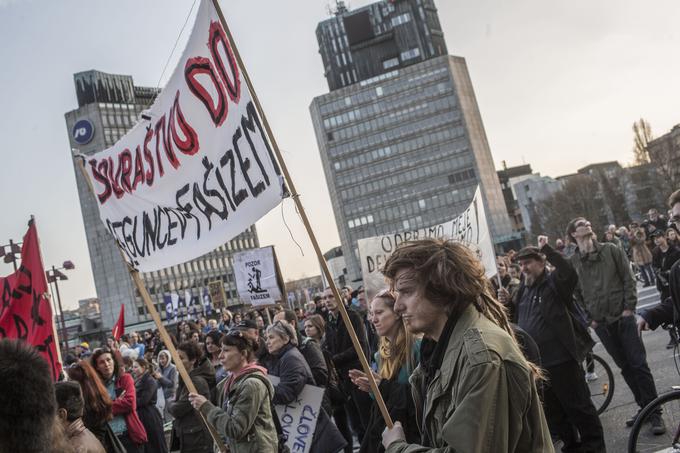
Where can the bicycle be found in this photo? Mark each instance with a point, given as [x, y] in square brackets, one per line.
[600, 380]
[667, 406]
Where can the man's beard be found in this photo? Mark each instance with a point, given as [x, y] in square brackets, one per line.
[529, 279]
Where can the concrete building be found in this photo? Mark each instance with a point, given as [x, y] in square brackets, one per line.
[508, 177]
[403, 145]
[108, 106]
[530, 190]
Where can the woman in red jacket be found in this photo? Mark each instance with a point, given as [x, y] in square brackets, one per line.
[121, 388]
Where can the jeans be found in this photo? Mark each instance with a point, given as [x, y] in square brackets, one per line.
[647, 274]
[623, 343]
[569, 410]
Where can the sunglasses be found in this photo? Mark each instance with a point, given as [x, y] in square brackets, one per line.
[581, 223]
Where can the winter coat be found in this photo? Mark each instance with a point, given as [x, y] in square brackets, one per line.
[483, 397]
[641, 253]
[293, 371]
[606, 283]
[244, 416]
[668, 311]
[82, 440]
[147, 391]
[339, 343]
[313, 355]
[190, 430]
[126, 405]
[555, 290]
[662, 263]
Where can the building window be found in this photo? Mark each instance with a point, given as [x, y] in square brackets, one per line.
[392, 62]
[409, 54]
[401, 19]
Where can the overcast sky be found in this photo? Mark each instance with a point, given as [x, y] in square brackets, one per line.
[559, 85]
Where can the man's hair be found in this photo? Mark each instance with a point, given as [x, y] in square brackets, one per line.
[571, 227]
[70, 397]
[290, 316]
[674, 198]
[192, 350]
[448, 274]
[27, 403]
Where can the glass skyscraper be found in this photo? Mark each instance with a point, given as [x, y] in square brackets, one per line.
[400, 134]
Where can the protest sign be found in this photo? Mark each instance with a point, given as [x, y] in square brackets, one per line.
[218, 296]
[199, 170]
[258, 281]
[469, 227]
[25, 310]
[298, 419]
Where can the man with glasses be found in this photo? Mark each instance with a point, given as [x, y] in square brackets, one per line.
[608, 293]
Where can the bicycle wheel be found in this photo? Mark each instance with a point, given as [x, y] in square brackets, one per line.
[642, 440]
[600, 380]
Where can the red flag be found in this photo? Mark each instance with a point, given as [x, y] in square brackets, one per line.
[119, 328]
[25, 310]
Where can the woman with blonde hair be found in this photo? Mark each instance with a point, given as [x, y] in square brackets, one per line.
[397, 356]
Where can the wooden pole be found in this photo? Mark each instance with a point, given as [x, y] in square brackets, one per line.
[303, 215]
[165, 337]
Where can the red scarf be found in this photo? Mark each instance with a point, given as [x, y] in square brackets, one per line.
[249, 368]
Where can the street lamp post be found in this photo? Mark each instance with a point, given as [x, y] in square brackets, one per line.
[9, 253]
[53, 276]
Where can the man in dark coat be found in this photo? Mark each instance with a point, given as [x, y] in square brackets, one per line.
[544, 308]
[339, 344]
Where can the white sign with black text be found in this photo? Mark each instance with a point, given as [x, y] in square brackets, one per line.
[469, 227]
[256, 277]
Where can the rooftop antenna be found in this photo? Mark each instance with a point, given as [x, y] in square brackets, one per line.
[340, 7]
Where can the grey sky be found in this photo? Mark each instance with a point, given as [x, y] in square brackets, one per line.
[559, 86]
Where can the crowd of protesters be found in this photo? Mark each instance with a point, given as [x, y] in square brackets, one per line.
[462, 362]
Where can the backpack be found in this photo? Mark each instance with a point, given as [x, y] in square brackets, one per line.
[282, 437]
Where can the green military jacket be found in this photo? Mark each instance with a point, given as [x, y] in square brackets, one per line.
[606, 283]
[483, 399]
[247, 422]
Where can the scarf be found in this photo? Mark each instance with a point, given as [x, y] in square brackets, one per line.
[249, 368]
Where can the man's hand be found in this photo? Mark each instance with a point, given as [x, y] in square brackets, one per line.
[503, 296]
[197, 400]
[542, 240]
[627, 313]
[642, 325]
[593, 324]
[392, 435]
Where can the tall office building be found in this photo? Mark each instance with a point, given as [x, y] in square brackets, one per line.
[108, 106]
[400, 134]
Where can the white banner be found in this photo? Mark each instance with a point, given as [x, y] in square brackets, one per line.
[298, 419]
[469, 227]
[199, 171]
[256, 277]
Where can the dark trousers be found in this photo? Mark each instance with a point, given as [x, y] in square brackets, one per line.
[623, 343]
[342, 422]
[569, 410]
[358, 407]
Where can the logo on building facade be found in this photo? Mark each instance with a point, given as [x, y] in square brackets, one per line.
[83, 131]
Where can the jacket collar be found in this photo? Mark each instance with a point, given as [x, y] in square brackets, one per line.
[463, 323]
[592, 256]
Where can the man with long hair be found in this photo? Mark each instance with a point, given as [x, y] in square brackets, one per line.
[474, 390]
